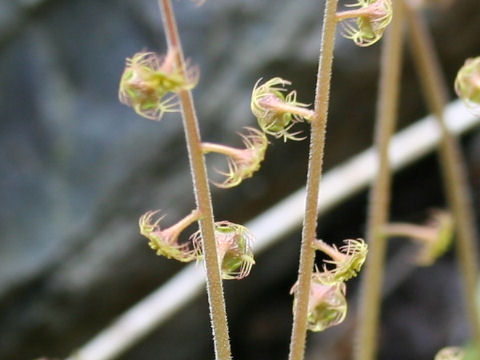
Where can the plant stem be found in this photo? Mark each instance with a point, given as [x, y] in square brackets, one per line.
[389, 83]
[452, 165]
[317, 144]
[218, 316]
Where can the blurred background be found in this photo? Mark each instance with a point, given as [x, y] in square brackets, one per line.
[78, 168]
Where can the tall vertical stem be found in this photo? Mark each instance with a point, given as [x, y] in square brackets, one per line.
[378, 214]
[202, 195]
[452, 165]
[317, 144]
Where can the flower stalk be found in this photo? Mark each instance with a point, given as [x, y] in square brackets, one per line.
[452, 165]
[317, 144]
[218, 315]
[389, 83]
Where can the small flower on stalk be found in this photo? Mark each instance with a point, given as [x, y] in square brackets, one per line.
[366, 24]
[242, 163]
[276, 112]
[435, 236]
[150, 83]
[348, 260]
[327, 305]
[467, 83]
[234, 249]
[450, 353]
[165, 241]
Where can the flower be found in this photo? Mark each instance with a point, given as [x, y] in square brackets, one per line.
[327, 305]
[467, 83]
[150, 83]
[450, 353]
[365, 25]
[435, 237]
[242, 163]
[234, 249]
[276, 112]
[348, 260]
[165, 241]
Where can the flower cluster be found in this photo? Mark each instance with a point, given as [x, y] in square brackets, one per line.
[327, 305]
[150, 83]
[234, 249]
[166, 241]
[366, 24]
[277, 112]
[467, 83]
[242, 163]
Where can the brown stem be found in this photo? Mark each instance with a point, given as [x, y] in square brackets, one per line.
[370, 301]
[317, 144]
[202, 195]
[452, 164]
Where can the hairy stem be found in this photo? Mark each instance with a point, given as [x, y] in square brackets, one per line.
[220, 149]
[370, 301]
[317, 144]
[452, 165]
[218, 316]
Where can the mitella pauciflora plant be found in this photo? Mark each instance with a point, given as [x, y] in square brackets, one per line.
[150, 84]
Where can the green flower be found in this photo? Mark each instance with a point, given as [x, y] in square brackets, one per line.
[467, 83]
[234, 249]
[150, 83]
[165, 241]
[242, 163]
[327, 305]
[347, 260]
[366, 25]
[276, 112]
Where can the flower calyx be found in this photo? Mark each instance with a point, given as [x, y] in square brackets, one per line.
[435, 237]
[242, 163]
[150, 83]
[276, 111]
[347, 260]
[327, 305]
[467, 83]
[234, 249]
[166, 241]
[366, 24]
